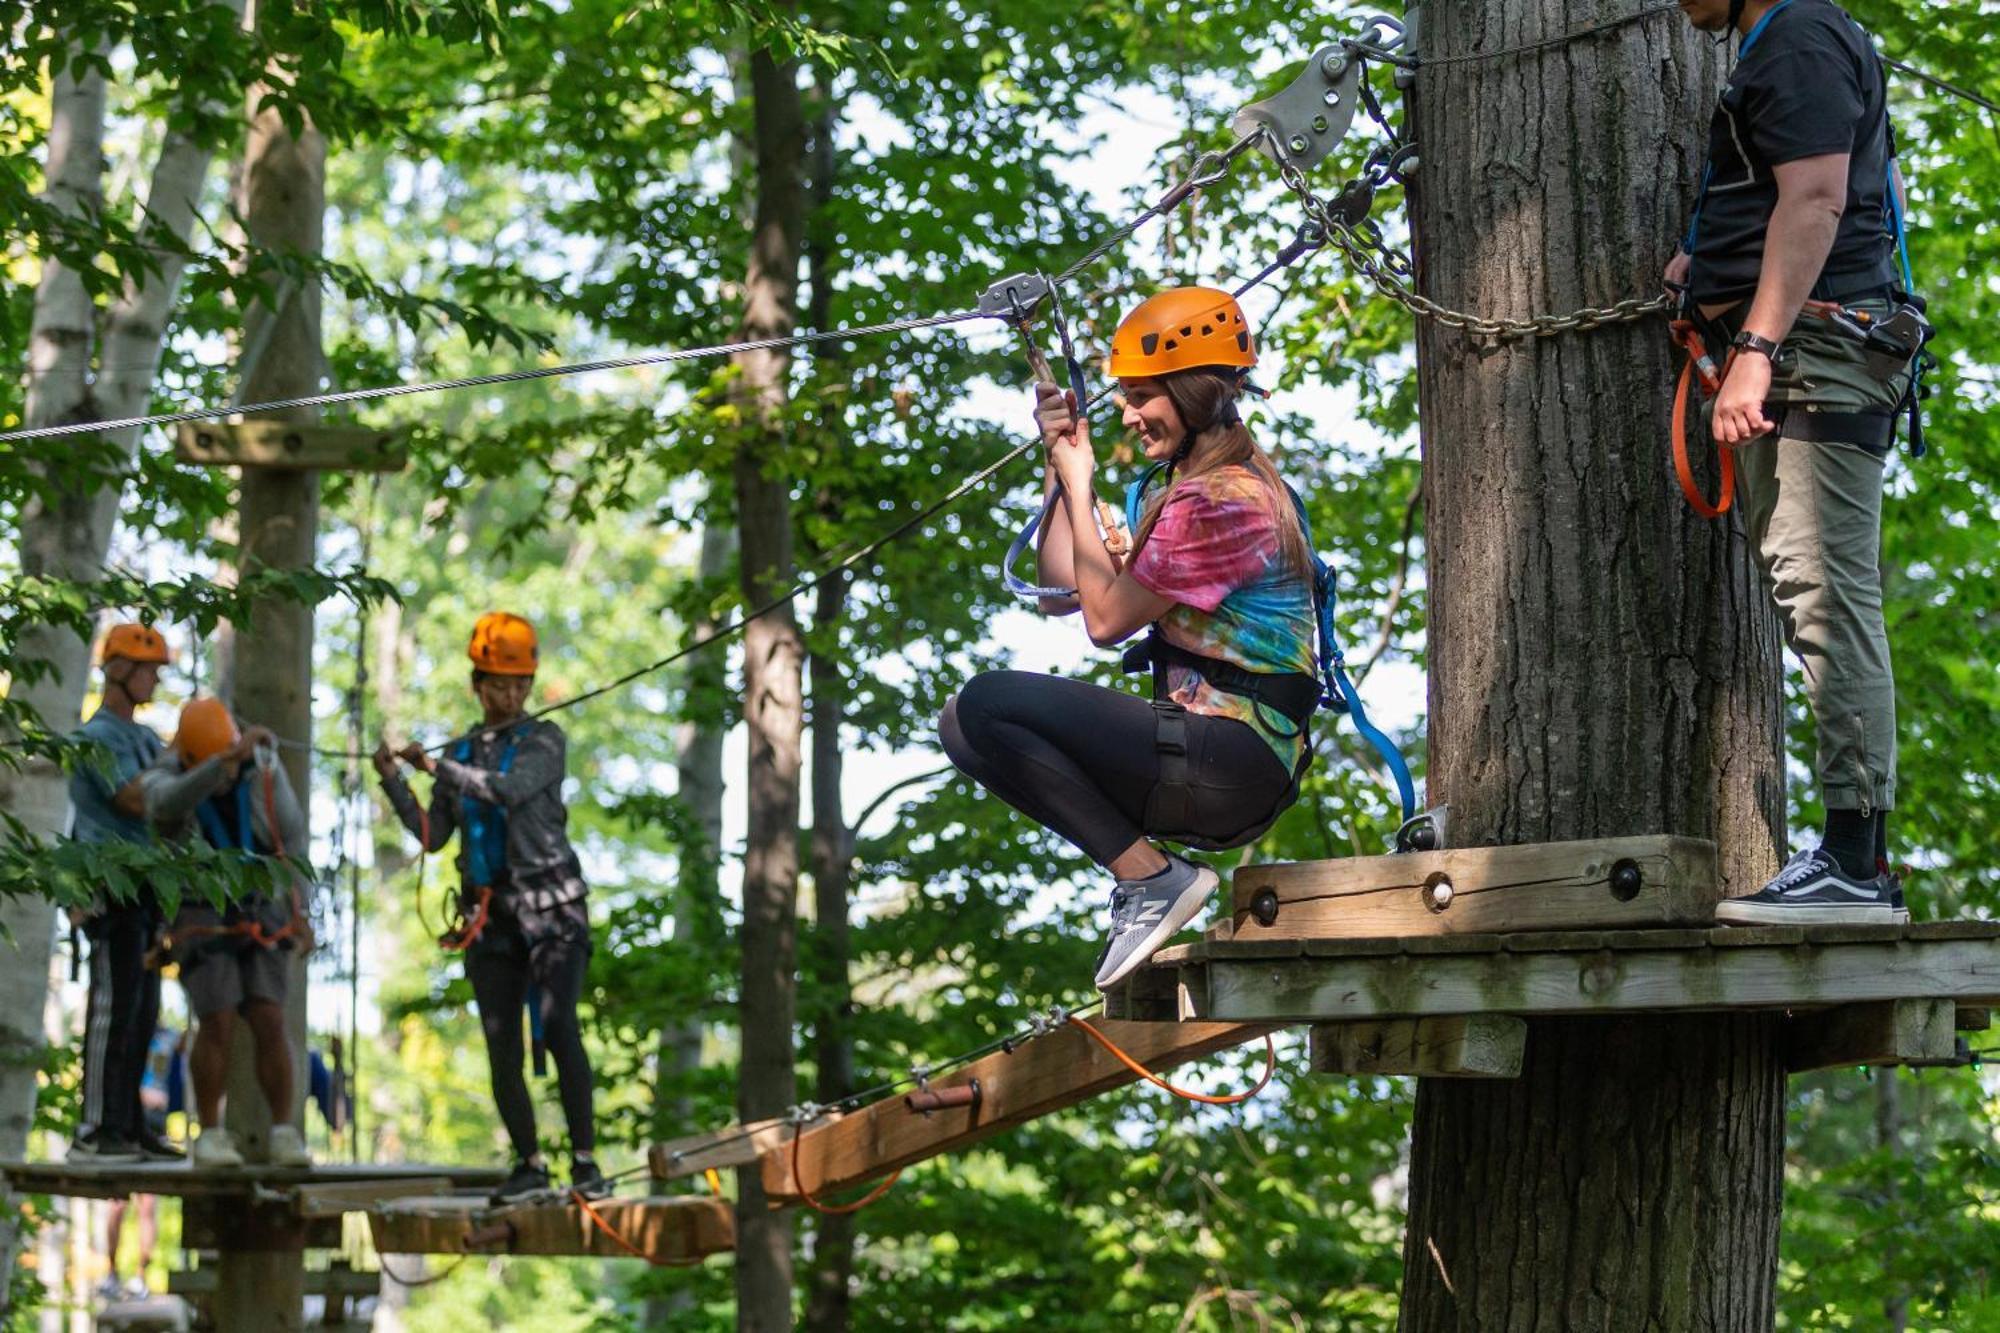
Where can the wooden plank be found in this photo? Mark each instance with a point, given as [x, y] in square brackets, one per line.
[1888, 1032]
[680, 1230]
[349, 1283]
[1039, 1077]
[1972, 1018]
[1654, 880]
[115, 1180]
[291, 446]
[338, 1198]
[1460, 1046]
[1327, 989]
[723, 1150]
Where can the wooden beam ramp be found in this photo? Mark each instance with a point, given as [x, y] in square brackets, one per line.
[1038, 1077]
[680, 1230]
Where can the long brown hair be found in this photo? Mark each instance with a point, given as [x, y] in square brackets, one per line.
[1206, 401]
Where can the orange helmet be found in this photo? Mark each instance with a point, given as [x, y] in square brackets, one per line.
[206, 730]
[134, 642]
[1181, 329]
[503, 644]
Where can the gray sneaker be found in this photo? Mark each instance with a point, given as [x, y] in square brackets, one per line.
[1146, 913]
[1812, 890]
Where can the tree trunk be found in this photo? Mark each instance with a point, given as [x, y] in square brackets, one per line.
[66, 534]
[283, 204]
[698, 925]
[828, 1303]
[1602, 663]
[773, 706]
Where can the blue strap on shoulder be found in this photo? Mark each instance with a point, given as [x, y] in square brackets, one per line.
[216, 829]
[1708, 168]
[485, 823]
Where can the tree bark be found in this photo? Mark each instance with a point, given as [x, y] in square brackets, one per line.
[1602, 662]
[828, 1299]
[67, 534]
[283, 203]
[773, 704]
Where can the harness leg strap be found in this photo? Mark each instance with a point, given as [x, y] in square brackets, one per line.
[1170, 805]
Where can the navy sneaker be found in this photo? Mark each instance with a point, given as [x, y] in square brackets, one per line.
[525, 1182]
[104, 1146]
[1812, 890]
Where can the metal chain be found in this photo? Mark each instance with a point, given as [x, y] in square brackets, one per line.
[1358, 238]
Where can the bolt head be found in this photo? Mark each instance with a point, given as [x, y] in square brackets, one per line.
[1298, 143]
[1264, 906]
[1334, 66]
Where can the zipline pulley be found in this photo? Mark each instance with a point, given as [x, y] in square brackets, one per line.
[1305, 121]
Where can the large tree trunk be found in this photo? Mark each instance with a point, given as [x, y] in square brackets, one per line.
[65, 534]
[828, 1305]
[1602, 662]
[283, 204]
[773, 705]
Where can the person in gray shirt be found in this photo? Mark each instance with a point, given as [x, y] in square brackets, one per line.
[526, 925]
[124, 1003]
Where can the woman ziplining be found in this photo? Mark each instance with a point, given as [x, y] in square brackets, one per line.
[1221, 569]
[526, 922]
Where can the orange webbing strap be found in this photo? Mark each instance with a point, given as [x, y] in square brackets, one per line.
[597, 1220]
[1270, 1068]
[1698, 362]
[834, 1209]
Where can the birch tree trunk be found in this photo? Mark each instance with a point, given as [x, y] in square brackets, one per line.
[66, 534]
[1602, 662]
[773, 702]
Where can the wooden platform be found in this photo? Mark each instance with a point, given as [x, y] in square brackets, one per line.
[681, 1230]
[1568, 972]
[318, 1186]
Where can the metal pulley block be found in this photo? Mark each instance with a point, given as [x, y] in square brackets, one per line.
[1425, 833]
[1015, 297]
[1304, 122]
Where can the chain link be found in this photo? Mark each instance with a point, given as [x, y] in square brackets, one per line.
[1356, 236]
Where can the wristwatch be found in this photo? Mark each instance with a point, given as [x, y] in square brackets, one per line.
[1747, 341]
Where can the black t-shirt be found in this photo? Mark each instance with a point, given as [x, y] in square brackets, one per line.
[1809, 85]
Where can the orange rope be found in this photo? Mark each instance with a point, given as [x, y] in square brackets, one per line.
[1698, 363]
[461, 936]
[834, 1209]
[1270, 1068]
[598, 1220]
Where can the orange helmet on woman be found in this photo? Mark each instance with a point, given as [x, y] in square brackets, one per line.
[135, 643]
[206, 730]
[503, 644]
[1183, 328]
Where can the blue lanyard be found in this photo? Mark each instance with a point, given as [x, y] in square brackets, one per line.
[485, 823]
[216, 829]
[1757, 29]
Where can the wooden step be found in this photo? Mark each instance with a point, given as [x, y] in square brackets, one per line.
[680, 1230]
[1654, 880]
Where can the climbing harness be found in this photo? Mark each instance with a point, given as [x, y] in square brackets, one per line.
[216, 828]
[1890, 345]
[1294, 696]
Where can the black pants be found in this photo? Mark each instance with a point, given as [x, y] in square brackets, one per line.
[1081, 759]
[549, 950]
[122, 1011]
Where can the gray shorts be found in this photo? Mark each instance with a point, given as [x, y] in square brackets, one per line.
[220, 978]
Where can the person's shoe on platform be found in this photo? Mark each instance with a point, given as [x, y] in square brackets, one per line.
[215, 1150]
[157, 1148]
[288, 1147]
[1813, 890]
[525, 1181]
[101, 1146]
[1146, 913]
[587, 1178]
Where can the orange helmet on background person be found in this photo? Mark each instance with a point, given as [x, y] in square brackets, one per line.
[1183, 328]
[135, 643]
[503, 644]
[206, 730]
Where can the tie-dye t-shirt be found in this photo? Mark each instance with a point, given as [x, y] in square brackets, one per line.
[1215, 551]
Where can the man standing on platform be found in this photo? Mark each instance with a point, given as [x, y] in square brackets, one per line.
[1800, 203]
[124, 1003]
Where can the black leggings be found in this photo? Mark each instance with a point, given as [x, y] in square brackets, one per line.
[551, 950]
[1081, 759]
[122, 1011]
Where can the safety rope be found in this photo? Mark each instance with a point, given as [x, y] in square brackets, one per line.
[806, 1197]
[382, 1265]
[1420, 61]
[499, 377]
[599, 1221]
[1206, 1099]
